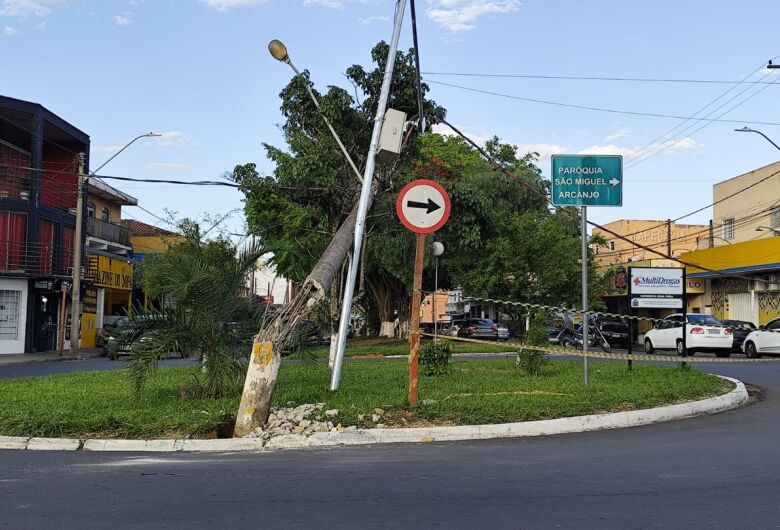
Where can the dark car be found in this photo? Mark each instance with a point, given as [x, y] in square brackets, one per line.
[483, 328]
[613, 329]
[741, 329]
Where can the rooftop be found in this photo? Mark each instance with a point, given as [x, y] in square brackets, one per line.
[140, 229]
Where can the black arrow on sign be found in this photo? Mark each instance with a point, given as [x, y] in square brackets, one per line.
[430, 206]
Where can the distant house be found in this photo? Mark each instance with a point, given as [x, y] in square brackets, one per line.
[147, 240]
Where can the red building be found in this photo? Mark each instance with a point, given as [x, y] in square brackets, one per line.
[38, 182]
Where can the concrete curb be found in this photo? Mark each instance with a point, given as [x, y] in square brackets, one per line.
[594, 422]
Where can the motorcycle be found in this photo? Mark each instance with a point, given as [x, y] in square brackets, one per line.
[571, 337]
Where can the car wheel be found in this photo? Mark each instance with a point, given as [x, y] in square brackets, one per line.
[680, 349]
[723, 354]
[751, 352]
[649, 350]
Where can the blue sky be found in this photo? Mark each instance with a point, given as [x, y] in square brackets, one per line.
[199, 72]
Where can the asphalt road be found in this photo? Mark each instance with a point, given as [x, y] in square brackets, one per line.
[718, 471]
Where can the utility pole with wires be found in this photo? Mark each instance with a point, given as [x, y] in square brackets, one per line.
[75, 298]
[75, 307]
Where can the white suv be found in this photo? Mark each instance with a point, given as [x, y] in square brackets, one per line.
[702, 333]
[764, 340]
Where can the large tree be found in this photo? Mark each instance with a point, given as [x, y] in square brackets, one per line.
[296, 210]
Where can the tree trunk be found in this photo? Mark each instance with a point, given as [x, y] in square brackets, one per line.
[390, 300]
[275, 332]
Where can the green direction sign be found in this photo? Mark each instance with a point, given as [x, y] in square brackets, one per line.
[587, 180]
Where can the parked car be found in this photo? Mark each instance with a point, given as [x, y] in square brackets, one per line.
[764, 340]
[702, 333]
[106, 336]
[613, 329]
[483, 328]
[741, 330]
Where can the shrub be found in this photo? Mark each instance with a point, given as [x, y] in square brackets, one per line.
[435, 357]
[532, 361]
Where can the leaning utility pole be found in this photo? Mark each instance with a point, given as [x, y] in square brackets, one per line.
[75, 300]
[365, 198]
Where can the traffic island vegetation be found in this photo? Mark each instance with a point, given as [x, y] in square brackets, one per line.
[382, 347]
[104, 404]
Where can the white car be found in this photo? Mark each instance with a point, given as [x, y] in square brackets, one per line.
[764, 340]
[703, 333]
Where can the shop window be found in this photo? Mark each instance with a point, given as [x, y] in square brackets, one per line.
[728, 229]
[13, 240]
[9, 314]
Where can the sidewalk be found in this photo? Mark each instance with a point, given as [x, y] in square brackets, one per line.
[17, 358]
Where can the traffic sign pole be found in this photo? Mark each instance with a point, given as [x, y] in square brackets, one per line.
[414, 335]
[585, 374]
[423, 207]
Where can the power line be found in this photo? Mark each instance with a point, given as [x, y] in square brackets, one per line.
[596, 109]
[571, 213]
[177, 182]
[132, 179]
[703, 207]
[637, 159]
[591, 78]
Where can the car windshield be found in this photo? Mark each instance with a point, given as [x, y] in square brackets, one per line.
[483, 322]
[739, 324]
[703, 320]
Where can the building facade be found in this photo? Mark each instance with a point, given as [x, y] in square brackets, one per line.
[108, 286]
[669, 238]
[746, 207]
[39, 161]
[743, 248]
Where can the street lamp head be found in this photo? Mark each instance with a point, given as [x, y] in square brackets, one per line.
[438, 248]
[278, 51]
[745, 129]
[152, 134]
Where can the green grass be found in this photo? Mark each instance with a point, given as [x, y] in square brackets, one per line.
[384, 347]
[103, 403]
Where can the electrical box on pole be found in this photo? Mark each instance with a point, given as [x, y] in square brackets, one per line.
[391, 138]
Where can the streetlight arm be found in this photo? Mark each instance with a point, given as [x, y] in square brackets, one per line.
[768, 139]
[131, 142]
[327, 122]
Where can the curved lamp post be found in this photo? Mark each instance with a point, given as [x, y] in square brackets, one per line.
[748, 129]
[279, 52]
[75, 305]
[775, 231]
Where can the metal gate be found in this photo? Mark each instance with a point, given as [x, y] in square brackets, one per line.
[741, 307]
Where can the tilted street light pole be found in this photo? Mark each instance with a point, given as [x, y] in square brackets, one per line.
[75, 304]
[279, 52]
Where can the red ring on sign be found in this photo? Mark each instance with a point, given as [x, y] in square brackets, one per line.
[399, 206]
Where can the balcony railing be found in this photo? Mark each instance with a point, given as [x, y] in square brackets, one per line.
[108, 231]
[34, 258]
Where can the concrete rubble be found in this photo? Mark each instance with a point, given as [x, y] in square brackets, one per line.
[303, 420]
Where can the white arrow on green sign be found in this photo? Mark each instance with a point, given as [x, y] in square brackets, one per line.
[587, 180]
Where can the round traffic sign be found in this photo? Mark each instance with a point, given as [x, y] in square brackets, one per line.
[423, 206]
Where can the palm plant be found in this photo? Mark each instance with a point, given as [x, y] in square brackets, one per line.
[204, 313]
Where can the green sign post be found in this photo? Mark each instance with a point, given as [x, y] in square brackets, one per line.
[587, 180]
